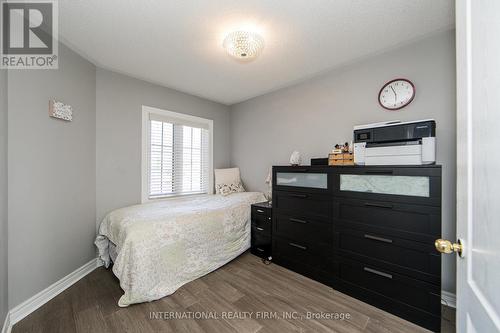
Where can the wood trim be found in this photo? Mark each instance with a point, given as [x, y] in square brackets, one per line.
[7, 326]
[30, 305]
[449, 299]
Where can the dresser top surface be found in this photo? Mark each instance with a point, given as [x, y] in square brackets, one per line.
[436, 166]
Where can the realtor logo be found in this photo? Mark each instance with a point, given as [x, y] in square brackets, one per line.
[29, 34]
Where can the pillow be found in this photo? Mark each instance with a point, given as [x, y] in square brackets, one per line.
[226, 189]
[230, 178]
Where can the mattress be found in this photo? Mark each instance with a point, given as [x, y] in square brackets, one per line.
[157, 247]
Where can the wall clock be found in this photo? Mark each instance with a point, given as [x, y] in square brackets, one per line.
[396, 94]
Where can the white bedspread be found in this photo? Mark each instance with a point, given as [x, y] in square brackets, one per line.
[165, 244]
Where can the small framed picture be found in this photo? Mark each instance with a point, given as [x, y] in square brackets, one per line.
[60, 110]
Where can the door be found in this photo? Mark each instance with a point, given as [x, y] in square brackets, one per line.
[478, 167]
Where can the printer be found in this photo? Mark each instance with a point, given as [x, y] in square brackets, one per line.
[395, 143]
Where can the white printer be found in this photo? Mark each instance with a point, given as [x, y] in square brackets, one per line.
[395, 143]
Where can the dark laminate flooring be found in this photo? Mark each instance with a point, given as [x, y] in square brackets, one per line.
[226, 298]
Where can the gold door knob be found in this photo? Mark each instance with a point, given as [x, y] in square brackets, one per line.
[445, 246]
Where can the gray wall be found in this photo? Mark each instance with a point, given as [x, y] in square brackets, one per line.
[314, 115]
[119, 108]
[51, 183]
[3, 197]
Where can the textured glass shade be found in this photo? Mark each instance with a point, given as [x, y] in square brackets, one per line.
[243, 45]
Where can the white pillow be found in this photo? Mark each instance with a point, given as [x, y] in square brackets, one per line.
[227, 177]
[226, 189]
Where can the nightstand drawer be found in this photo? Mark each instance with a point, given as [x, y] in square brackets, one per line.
[261, 232]
[261, 244]
[260, 211]
[261, 221]
[300, 227]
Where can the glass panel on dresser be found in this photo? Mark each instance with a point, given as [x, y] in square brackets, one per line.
[418, 186]
[311, 180]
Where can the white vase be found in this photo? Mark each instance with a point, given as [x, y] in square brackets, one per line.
[295, 158]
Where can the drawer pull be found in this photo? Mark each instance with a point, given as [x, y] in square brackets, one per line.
[260, 229]
[298, 246]
[301, 196]
[298, 221]
[379, 172]
[369, 204]
[260, 211]
[259, 249]
[374, 271]
[380, 239]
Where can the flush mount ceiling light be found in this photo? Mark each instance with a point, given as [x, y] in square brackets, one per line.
[243, 45]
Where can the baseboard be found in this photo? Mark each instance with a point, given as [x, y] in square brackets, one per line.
[6, 328]
[27, 307]
[448, 299]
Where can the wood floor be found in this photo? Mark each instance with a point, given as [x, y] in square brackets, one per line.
[241, 287]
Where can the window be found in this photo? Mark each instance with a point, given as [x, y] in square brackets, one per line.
[176, 154]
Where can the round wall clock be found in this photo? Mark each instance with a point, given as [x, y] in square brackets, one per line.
[396, 94]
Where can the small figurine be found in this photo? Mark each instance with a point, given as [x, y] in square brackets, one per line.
[342, 148]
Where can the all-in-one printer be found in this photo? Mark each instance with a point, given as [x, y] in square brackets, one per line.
[395, 143]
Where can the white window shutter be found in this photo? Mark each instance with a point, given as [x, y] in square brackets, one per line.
[178, 158]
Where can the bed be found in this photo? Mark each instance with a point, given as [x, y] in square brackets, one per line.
[158, 247]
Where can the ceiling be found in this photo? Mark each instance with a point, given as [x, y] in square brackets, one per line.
[178, 43]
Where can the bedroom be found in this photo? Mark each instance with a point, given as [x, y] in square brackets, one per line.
[118, 215]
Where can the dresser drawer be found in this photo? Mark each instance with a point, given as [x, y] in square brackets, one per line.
[302, 179]
[303, 228]
[392, 285]
[411, 255]
[405, 185]
[302, 251]
[306, 204]
[414, 222]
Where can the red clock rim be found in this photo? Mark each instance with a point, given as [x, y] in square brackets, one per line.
[391, 81]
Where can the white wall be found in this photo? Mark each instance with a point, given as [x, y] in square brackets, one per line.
[51, 184]
[119, 109]
[61, 171]
[3, 197]
[312, 116]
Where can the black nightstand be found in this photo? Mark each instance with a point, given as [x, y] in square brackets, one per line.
[261, 230]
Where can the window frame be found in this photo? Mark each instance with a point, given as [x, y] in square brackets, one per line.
[145, 160]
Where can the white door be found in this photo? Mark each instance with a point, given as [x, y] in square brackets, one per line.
[478, 158]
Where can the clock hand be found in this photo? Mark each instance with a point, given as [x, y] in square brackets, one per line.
[395, 95]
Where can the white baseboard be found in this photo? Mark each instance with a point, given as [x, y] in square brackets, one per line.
[449, 299]
[30, 305]
[6, 324]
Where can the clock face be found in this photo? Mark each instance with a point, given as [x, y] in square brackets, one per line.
[396, 94]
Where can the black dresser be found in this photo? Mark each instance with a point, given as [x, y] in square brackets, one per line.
[367, 231]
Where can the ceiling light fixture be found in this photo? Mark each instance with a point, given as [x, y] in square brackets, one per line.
[243, 45]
